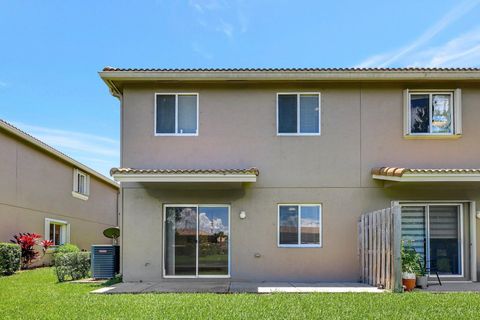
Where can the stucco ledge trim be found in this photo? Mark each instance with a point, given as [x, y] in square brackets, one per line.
[185, 178]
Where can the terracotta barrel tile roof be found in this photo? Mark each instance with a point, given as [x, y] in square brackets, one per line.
[284, 69]
[399, 172]
[247, 171]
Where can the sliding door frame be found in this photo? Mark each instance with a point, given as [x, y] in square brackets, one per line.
[197, 206]
[427, 205]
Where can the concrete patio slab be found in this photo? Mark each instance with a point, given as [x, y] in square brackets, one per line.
[256, 287]
[454, 287]
[126, 287]
[185, 287]
[235, 287]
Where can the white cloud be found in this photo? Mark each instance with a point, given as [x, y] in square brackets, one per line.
[463, 50]
[387, 59]
[226, 28]
[201, 51]
[213, 225]
[225, 17]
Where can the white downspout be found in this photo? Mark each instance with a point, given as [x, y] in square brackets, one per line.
[473, 241]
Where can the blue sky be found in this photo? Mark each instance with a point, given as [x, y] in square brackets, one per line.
[51, 51]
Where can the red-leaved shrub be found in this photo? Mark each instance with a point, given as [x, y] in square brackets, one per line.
[27, 242]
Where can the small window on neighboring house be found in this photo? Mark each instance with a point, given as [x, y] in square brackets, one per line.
[176, 114]
[57, 231]
[299, 225]
[432, 113]
[298, 114]
[81, 184]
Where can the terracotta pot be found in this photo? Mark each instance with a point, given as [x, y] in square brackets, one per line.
[409, 284]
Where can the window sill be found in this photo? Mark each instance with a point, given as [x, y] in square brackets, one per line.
[432, 137]
[176, 134]
[298, 134]
[79, 196]
[299, 245]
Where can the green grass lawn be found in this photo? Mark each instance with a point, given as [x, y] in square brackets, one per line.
[37, 295]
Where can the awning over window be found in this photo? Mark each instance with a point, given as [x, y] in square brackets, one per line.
[184, 175]
[425, 175]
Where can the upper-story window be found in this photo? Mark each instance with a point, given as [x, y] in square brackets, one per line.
[298, 114]
[81, 184]
[176, 114]
[433, 113]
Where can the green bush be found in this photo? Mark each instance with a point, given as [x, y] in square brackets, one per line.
[10, 256]
[72, 265]
[64, 248]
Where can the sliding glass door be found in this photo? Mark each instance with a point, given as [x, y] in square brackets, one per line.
[435, 232]
[196, 240]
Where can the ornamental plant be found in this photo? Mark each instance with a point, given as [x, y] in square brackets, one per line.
[27, 242]
[411, 260]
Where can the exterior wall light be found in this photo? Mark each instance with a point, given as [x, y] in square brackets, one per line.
[242, 215]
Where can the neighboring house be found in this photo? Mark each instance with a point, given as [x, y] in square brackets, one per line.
[46, 192]
[262, 174]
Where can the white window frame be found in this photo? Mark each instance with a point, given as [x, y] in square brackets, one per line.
[75, 192]
[299, 244]
[196, 276]
[456, 104]
[176, 94]
[64, 231]
[427, 205]
[298, 133]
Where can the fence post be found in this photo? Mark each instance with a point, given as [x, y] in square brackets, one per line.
[397, 259]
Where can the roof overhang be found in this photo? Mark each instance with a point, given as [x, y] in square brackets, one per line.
[398, 174]
[185, 175]
[114, 77]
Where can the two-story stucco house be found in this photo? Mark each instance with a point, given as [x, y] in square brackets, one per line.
[44, 191]
[262, 174]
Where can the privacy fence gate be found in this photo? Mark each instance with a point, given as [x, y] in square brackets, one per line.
[379, 244]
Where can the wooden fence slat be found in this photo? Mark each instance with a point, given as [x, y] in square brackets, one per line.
[397, 259]
[379, 236]
[362, 257]
[359, 247]
[374, 247]
[365, 249]
[379, 247]
[382, 247]
[370, 253]
[387, 249]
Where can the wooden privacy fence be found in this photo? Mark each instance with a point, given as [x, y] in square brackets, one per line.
[379, 240]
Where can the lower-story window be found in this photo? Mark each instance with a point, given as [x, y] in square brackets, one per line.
[196, 239]
[56, 231]
[435, 231]
[299, 225]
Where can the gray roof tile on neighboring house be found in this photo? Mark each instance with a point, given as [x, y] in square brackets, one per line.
[22, 135]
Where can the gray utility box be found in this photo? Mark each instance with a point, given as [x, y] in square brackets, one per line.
[105, 261]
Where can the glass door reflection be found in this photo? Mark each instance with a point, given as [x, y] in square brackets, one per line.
[196, 240]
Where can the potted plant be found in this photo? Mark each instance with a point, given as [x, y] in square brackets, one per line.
[422, 278]
[409, 267]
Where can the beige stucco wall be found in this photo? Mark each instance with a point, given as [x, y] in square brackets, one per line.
[35, 186]
[361, 128]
